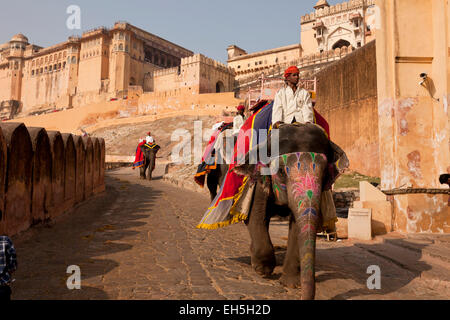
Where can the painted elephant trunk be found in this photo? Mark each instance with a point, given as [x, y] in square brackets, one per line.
[306, 187]
[307, 224]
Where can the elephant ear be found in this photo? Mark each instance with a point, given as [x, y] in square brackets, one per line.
[248, 167]
[339, 157]
[253, 172]
[248, 170]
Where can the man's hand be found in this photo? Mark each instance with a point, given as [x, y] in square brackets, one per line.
[277, 124]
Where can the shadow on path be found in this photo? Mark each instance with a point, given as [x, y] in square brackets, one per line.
[86, 237]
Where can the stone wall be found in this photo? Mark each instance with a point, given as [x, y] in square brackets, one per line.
[175, 103]
[39, 176]
[347, 98]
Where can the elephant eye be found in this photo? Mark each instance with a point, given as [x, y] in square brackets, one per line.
[281, 172]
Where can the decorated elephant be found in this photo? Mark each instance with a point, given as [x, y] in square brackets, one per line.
[217, 170]
[149, 151]
[299, 174]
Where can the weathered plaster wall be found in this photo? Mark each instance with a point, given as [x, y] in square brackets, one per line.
[413, 117]
[347, 97]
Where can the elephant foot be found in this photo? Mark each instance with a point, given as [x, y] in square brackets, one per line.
[290, 281]
[264, 270]
[142, 178]
[264, 267]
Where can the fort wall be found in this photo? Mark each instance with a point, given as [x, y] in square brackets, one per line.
[39, 172]
[347, 98]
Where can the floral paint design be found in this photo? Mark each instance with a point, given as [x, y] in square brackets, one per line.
[301, 174]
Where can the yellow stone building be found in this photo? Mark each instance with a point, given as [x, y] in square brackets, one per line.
[98, 66]
[345, 26]
[245, 64]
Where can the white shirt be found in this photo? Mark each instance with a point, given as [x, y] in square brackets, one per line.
[288, 105]
[238, 121]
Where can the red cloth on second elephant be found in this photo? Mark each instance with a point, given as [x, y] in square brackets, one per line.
[139, 157]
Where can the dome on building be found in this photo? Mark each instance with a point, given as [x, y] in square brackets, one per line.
[321, 4]
[19, 37]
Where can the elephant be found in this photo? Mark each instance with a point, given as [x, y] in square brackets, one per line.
[216, 176]
[294, 191]
[150, 160]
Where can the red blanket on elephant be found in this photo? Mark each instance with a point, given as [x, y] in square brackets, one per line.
[139, 157]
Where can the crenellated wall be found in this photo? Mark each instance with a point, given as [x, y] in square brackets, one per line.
[43, 174]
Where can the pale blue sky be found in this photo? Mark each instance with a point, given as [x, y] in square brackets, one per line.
[203, 26]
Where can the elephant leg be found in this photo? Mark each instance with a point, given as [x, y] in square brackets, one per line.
[211, 182]
[291, 266]
[151, 166]
[142, 172]
[145, 169]
[261, 248]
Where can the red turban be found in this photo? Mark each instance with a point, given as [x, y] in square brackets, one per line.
[292, 69]
[240, 107]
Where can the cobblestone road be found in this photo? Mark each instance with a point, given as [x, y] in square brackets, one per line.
[138, 241]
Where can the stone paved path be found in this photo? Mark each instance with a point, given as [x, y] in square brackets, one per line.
[138, 241]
